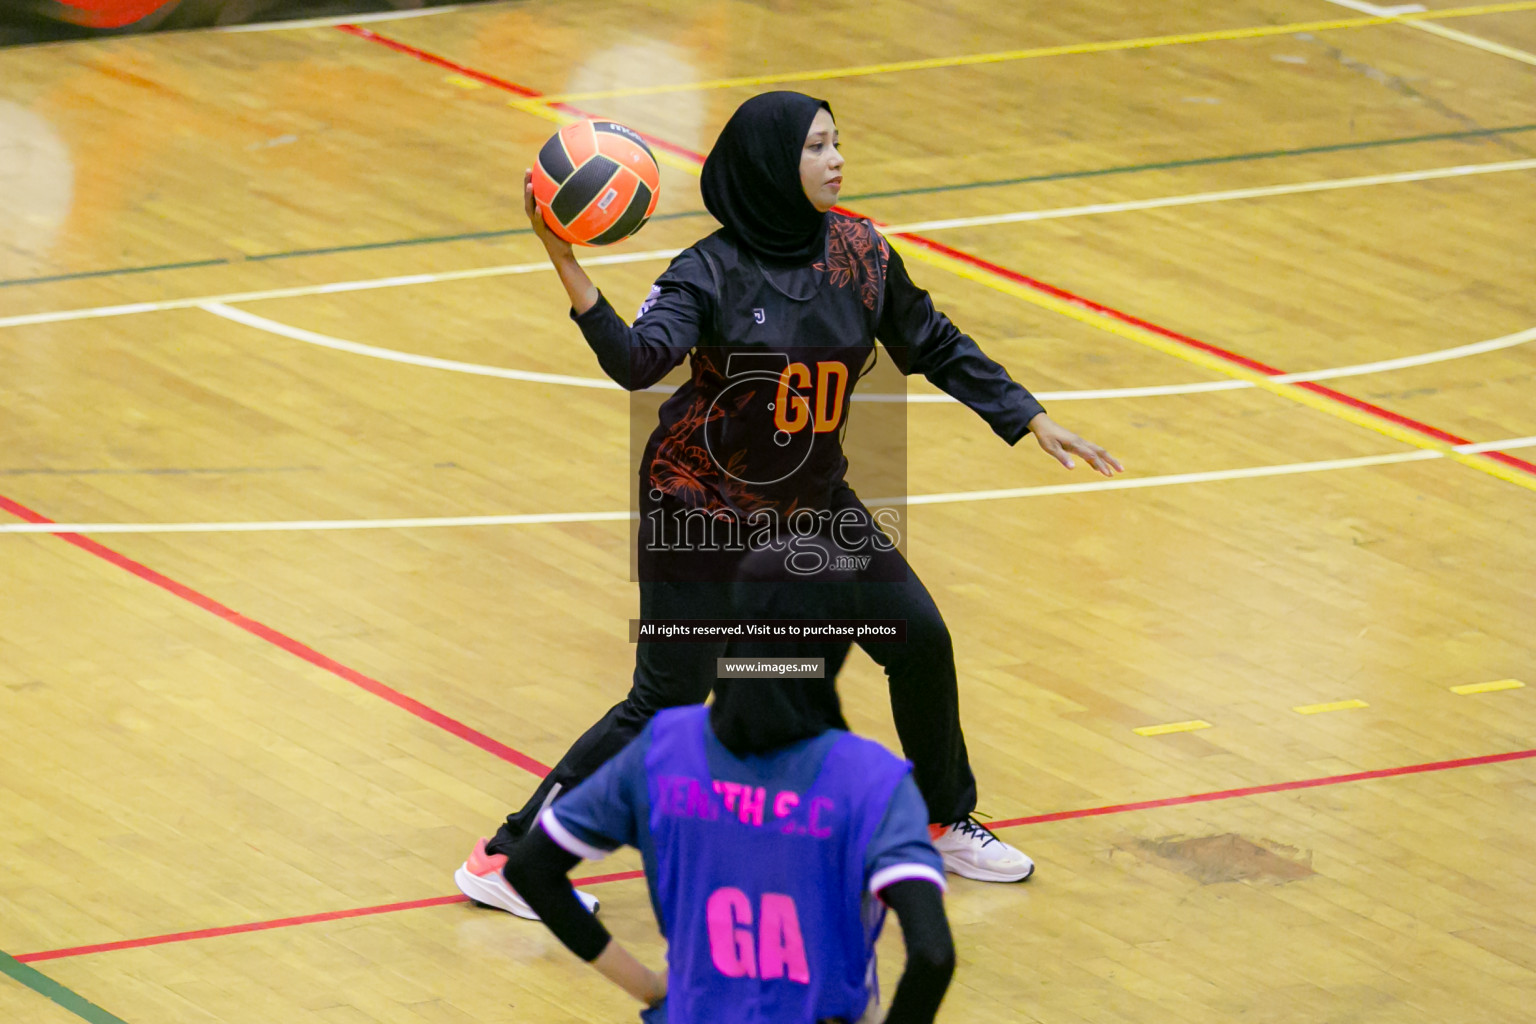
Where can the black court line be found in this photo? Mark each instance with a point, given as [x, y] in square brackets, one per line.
[468, 236]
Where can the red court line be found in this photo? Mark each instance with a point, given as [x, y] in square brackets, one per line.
[235, 929]
[283, 922]
[287, 643]
[1085, 812]
[501, 83]
[505, 752]
[1235, 358]
[266, 926]
[1204, 346]
[1273, 787]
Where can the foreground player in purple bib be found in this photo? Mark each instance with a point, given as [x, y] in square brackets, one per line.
[772, 839]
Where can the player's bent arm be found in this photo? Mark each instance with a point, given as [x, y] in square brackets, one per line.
[923, 340]
[619, 967]
[577, 284]
[633, 358]
[537, 868]
[583, 293]
[668, 326]
[919, 906]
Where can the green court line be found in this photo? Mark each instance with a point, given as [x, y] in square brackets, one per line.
[1205, 161]
[121, 271]
[1166, 165]
[46, 986]
[288, 254]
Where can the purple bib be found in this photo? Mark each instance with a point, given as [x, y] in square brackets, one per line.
[761, 889]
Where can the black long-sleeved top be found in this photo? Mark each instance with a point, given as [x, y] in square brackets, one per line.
[686, 312]
[922, 339]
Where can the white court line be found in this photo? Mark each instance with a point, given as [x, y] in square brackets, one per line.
[319, 525]
[1478, 41]
[1423, 359]
[1123, 483]
[955, 497]
[1380, 12]
[1214, 197]
[1496, 446]
[333, 288]
[354, 19]
[1434, 28]
[261, 323]
[1145, 391]
[337, 287]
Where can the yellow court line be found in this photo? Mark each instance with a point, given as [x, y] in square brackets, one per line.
[1497, 684]
[1068, 49]
[1160, 730]
[1338, 705]
[537, 108]
[1210, 361]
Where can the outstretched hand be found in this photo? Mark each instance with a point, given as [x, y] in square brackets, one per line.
[553, 243]
[583, 293]
[1061, 444]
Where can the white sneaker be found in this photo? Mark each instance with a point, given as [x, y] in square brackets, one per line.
[971, 850]
[480, 879]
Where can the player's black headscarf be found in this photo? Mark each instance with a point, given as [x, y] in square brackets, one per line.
[751, 180]
[754, 716]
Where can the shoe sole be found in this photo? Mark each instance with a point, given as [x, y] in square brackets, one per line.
[983, 875]
[487, 895]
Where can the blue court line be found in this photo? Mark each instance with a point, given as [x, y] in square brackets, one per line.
[1165, 165]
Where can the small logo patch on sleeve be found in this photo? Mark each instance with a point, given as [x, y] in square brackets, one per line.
[650, 300]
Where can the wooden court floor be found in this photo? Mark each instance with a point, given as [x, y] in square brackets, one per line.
[314, 549]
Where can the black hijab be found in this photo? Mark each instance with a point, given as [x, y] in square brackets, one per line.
[754, 716]
[751, 180]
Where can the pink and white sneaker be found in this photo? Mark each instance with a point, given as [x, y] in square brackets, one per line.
[970, 850]
[480, 879]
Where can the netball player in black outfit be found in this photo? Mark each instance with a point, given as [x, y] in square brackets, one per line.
[788, 284]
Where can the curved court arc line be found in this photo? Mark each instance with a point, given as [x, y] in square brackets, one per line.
[1228, 363]
[949, 498]
[262, 323]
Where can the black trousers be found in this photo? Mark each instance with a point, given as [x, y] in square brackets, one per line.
[925, 700]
